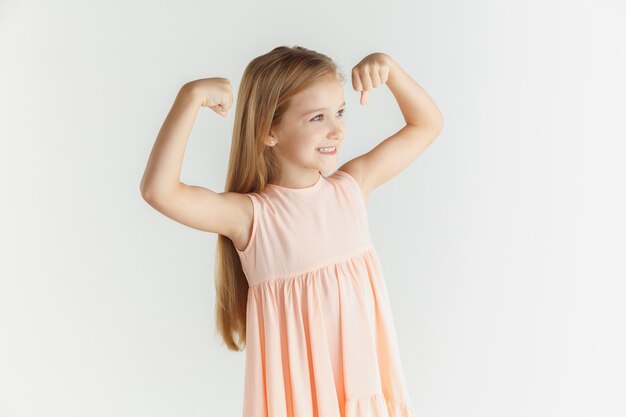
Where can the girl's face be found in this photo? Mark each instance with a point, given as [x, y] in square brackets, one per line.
[314, 119]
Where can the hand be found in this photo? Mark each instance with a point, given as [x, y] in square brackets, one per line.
[371, 72]
[215, 93]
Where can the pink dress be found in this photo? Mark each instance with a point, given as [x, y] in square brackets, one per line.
[320, 335]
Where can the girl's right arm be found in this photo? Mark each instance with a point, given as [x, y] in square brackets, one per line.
[227, 213]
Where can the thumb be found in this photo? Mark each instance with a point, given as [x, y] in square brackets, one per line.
[219, 110]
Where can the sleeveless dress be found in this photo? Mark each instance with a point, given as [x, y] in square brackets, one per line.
[320, 335]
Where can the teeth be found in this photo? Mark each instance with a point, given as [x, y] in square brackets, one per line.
[329, 149]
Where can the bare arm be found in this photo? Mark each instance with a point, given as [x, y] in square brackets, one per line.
[162, 174]
[225, 213]
[424, 122]
[417, 108]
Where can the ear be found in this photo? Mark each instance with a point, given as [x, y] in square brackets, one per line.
[271, 140]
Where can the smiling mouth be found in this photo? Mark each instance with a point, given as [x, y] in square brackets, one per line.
[329, 150]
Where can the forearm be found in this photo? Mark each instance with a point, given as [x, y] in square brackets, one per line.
[415, 104]
[162, 172]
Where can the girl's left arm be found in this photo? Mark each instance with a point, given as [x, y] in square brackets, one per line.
[423, 118]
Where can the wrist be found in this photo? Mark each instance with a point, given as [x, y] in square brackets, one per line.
[189, 93]
[394, 71]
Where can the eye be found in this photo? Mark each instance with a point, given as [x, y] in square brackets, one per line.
[316, 117]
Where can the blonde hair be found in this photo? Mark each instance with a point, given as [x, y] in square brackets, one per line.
[267, 86]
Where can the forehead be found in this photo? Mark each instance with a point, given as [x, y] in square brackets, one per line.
[327, 93]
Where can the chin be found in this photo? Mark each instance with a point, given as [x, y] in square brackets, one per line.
[328, 168]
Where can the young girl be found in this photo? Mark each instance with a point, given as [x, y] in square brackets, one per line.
[298, 280]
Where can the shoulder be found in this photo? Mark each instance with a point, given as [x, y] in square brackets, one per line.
[354, 173]
[242, 206]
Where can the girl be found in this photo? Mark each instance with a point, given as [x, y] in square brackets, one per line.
[298, 280]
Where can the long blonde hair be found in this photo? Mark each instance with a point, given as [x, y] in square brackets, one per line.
[267, 86]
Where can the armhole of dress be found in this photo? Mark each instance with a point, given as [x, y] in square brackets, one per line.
[356, 186]
[255, 221]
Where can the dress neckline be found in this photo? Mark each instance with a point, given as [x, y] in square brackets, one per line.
[298, 190]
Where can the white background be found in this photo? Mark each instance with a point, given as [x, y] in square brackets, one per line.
[502, 244]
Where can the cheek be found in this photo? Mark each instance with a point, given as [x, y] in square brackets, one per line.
[303, 145]
[297, 150]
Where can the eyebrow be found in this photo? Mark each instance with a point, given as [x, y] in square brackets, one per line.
[323, 108]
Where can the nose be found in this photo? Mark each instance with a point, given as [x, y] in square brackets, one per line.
[337, 131]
